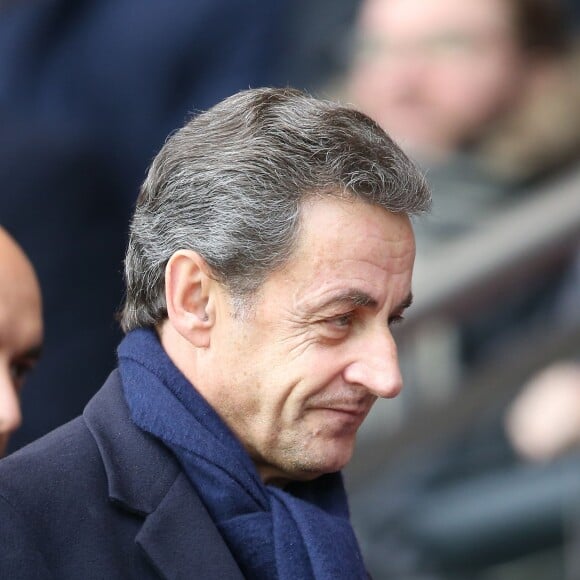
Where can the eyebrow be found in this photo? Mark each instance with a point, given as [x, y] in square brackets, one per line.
[352, 297]
[359, 298]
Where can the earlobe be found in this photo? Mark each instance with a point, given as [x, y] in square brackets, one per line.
[188, 286]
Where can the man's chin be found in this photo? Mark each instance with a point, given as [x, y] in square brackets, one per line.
[329, 461]
[327, 453]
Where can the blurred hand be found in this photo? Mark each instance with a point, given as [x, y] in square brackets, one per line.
[544, 421]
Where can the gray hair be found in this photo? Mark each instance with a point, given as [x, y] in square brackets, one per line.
[231, 183]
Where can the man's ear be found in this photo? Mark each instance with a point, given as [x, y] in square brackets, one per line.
[188, 287]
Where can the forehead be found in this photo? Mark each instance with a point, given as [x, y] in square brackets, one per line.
[346, 226]
[401, 17]
[349, 242]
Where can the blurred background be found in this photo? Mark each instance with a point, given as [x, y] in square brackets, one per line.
[474, 471]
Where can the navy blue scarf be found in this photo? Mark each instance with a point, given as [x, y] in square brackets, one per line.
[301, 532]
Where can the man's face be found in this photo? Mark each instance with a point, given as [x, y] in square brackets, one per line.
[20, 331]
[297, 376]
[434, 73]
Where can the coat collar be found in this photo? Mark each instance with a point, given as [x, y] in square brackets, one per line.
[145, 478]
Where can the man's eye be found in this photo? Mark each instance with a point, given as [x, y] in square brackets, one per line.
[337, 326]
[396, 319]
[19, 372]
[342, 321]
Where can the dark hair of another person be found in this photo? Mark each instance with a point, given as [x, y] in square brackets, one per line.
[542, 26]
[231, 183]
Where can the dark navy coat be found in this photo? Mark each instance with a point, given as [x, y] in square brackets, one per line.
[99, 498]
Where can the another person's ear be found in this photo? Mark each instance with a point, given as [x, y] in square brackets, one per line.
[189, 288]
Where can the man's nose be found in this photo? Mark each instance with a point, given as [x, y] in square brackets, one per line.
[377, 366]
[10, 415]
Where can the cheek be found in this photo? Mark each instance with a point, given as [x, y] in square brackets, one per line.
[319, 370]
[476, 89]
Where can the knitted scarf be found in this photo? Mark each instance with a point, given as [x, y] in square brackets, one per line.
[300, 532]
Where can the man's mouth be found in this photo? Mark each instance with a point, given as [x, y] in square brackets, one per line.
[349, 413]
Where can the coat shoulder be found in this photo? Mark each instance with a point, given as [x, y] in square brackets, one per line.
[57, 518]
[52, 467]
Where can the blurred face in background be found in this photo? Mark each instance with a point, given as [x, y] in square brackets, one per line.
[435, 73]
[20, 331]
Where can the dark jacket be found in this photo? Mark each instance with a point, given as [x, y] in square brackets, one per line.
[99, 498]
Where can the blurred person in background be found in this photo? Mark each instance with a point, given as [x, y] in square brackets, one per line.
[482, 92]
[20, 331]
